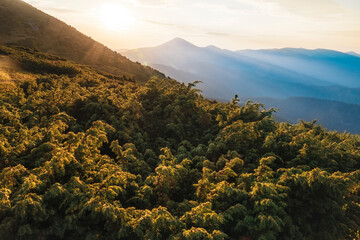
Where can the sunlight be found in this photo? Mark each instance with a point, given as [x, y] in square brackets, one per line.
[115, 17]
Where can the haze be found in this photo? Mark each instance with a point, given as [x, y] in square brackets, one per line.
[230, 24]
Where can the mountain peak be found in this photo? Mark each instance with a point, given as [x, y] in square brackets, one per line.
[178, 42]
[212, 47]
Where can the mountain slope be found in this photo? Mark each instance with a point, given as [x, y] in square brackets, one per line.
[331, 114]
[336, 67]
[84, 155]
[246, 73]
[288, 79]
[354, 54]
[24, 25]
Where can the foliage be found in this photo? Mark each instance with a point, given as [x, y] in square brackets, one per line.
[86, 155]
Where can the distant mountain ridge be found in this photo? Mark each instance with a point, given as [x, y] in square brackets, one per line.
[335, 67]
[24, 25]
[323, 82]
[333, 115]
[354, 54]
[255, 72]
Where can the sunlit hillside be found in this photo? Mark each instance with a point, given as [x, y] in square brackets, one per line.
[24, 25]
[94, 146]
[87, 155]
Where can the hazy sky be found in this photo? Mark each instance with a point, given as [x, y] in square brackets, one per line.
[231, 24]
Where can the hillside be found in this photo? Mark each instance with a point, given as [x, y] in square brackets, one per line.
[87, 155]
[354, 54]
[331, 114]
[223, 74]
[278, 73]
[24, 25]
[334, 67]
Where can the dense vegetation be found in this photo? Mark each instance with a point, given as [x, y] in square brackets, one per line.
[24, 25]
[85, 155]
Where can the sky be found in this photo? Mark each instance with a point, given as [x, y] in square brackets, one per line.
[229, 24]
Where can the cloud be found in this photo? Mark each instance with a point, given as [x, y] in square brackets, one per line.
[164, 24]
[51, 6]
[346, 33]
[219, 34]
[191, 29]
[33, 2]
[63, 10]
[147, 3]
[317, 8]
[151, 2]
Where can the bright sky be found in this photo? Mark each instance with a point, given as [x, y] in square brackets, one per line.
[230, 24]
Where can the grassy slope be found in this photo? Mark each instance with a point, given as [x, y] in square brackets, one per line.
[24, 25]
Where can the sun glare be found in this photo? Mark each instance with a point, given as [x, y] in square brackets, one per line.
[115, 17]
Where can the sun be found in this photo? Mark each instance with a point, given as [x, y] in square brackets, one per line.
[115, 17]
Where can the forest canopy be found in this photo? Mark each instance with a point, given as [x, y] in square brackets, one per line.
[90, 155]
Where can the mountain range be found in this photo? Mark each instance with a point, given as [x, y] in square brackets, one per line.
[324, 80]
[298, 82]
[277, 73]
